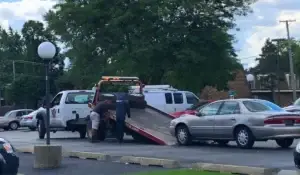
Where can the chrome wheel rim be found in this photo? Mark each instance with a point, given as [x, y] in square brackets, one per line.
[14, 126]
[243, 137]
[182, 135]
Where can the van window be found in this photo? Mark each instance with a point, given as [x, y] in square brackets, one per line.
[178, 98]
[79, 97]
[190, 98]
[169, 99]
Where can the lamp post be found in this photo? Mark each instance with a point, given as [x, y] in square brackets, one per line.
[47, 156]
[47, 51]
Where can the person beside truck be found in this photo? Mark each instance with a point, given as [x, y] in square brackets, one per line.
[122, 109]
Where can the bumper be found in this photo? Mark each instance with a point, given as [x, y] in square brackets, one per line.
[172, 130]
[12, 164]
[276, 132]
[28, 123]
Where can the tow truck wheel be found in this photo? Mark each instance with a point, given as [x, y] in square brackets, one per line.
[82, 132]
[41, 129]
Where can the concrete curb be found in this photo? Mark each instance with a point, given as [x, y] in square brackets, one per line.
[88, 155]
[145, 161]
[73, 154]
[235, 169]
[168, 163]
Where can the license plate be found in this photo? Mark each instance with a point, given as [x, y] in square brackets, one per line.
[289, 122]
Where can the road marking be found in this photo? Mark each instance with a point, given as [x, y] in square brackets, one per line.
[20, 174]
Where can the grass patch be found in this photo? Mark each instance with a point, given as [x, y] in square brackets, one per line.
[181, 172]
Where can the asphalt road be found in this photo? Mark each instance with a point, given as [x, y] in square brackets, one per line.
[264, 154]
[80, 167]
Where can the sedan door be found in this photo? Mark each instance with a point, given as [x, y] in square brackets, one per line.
[226, 119]
[204, 126]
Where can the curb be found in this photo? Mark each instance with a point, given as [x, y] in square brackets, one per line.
[145, 161]
[173, 164]
[234, 169]
[73, 154]
[88, 155]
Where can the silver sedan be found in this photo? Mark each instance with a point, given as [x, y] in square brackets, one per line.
[242, 120]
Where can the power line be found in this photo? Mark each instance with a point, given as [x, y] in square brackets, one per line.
[293, 78]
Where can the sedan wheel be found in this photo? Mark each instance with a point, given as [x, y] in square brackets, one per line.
[13, 126]
[183, 136]
[244, 138]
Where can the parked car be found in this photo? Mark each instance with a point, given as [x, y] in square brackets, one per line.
[193, 109]
[11, 120]
[295, 107]
[30, 120]
[165, 98]
[9, 161]
[242, 120]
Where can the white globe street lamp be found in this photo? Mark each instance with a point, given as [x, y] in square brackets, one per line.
[250, 78]
[46, 50]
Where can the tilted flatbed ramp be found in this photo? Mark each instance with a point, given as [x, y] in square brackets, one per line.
[151, 124]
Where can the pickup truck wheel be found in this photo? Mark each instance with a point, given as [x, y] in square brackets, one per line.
[41, 129]
[13, 125]
[285, 143]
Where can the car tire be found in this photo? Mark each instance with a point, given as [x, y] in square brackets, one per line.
[41, 129]
[285, 143]
[244, 137]
[183, 135]
[13, 125]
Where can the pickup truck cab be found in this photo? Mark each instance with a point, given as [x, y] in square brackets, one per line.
[68, 112]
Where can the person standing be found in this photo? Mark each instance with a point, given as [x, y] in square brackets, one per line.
[98, 113]
[122, 108]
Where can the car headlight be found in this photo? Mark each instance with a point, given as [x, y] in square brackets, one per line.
[298, 148]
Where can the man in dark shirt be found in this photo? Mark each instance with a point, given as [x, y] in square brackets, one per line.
[122, 108]
[98, 113]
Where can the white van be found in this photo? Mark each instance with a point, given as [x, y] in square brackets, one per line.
[68, 112]
[166, 98]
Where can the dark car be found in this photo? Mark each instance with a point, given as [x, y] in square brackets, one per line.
[297, 156]
[9, 161]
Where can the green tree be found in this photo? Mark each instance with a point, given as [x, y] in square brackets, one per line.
[27, 85]
[183, 43]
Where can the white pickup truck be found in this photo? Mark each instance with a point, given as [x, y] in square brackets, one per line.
[68, 112]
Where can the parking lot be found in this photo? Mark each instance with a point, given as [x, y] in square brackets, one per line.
[264, 154]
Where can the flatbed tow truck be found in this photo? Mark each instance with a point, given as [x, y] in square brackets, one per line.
[146, 123]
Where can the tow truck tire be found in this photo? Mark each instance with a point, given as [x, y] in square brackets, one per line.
[41, 129]
[82, 132]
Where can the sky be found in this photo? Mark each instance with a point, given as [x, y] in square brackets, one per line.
[255, 28]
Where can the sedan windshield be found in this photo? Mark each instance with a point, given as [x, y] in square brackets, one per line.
[261, 105]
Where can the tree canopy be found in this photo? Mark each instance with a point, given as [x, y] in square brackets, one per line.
[182, 43]
[174, 42]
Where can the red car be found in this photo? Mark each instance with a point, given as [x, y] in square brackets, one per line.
[192, 109]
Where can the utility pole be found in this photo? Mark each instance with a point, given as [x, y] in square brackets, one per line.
[293, 78]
